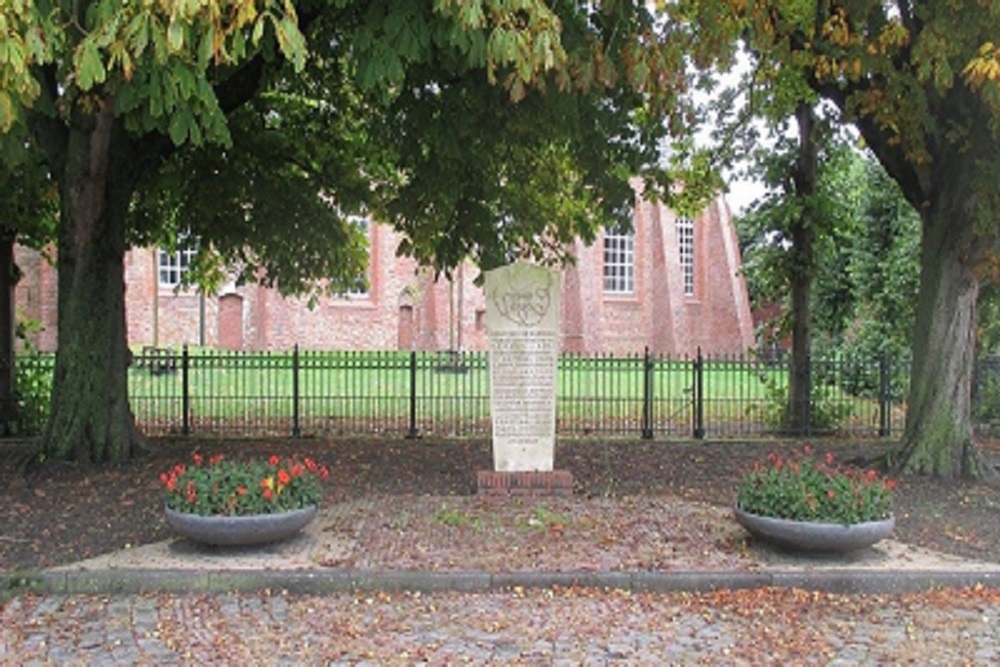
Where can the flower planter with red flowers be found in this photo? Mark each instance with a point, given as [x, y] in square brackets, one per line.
[815, 535]
[230, 502]
[811, 504]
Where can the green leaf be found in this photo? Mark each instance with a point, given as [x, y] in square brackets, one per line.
[195, 132]
[138, 32]
[7, 114]
[497, 45]
[206, 48]
[90, 67]
[35, 44]
[291, 42]
[238, 51]
[175, 36]
[943, 76]
[258, 32]
[159, 46]
[179, 126]
[186, 82]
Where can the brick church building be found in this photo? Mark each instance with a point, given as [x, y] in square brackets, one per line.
[673, 285]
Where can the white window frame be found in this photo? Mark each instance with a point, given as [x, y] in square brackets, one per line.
[619, 262]
[360, 288]
[685, 253]
[171, 266]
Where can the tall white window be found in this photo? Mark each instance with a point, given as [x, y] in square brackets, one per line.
[619, 262]
[360, 287]
[685, 247]
[173, 265]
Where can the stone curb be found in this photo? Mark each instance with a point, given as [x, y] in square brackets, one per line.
[132, 581]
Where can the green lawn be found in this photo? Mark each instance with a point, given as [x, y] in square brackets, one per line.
[370, 392]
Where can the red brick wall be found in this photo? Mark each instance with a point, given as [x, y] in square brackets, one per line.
[36, 296]
[657, 315]
[231, 322]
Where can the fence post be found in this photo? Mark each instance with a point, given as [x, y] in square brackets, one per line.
[413, 433]
[647, 396]
[884, 397]
[185, 394]
[698, 396]
[296, 428]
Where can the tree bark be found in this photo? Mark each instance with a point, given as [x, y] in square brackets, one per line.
[8, 384]
[938, 436]
[803, 234]
[91, 421]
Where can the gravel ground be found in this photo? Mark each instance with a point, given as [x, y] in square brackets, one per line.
[531, 627]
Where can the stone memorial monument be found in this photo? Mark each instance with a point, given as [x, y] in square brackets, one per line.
[522, 323]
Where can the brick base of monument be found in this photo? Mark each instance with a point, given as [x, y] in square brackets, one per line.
[532, 483]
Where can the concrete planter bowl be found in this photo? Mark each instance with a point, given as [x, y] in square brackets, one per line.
[240, 530]
[815, 536]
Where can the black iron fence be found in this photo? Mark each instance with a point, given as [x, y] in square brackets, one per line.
[412, 394]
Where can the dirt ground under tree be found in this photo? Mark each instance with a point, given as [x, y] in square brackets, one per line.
[65, 513]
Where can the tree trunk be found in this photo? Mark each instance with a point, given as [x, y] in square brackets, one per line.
[91, 421]
[8, 384]
[800, 382]
[803, 235]
[938, 436]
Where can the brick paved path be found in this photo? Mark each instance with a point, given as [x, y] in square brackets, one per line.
[534, 627]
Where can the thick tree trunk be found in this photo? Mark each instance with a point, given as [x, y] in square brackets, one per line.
[8, 384]
[938, 436]
[91, 421]
[803, 235]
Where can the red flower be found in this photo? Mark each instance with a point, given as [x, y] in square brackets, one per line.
[829, 458]
[830, 494]
[210, 488]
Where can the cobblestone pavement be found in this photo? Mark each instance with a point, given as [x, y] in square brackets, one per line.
[516, 627]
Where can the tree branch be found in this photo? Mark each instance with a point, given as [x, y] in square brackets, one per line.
[239, 87]
[48, 132]
[913, 184]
